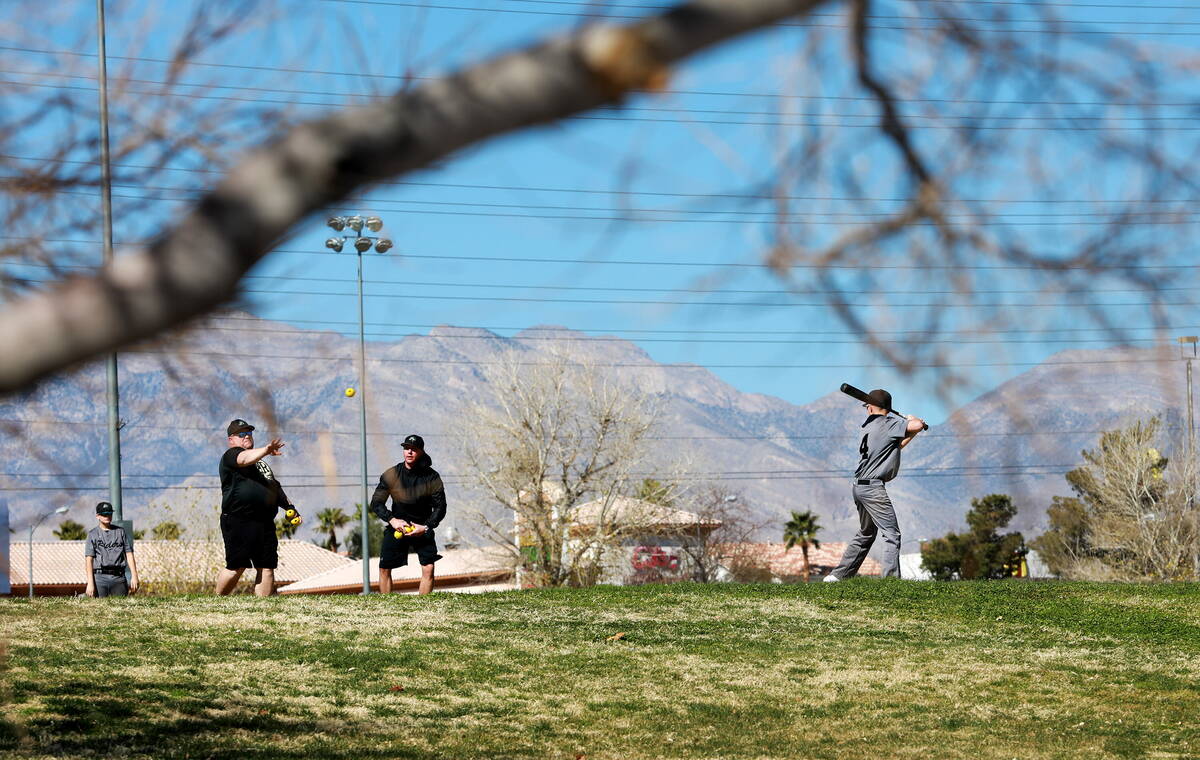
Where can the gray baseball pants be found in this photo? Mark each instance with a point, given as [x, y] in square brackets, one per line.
[875, 515]
[111, 585]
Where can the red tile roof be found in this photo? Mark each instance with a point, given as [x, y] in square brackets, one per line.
[640, 515]
[788, 563]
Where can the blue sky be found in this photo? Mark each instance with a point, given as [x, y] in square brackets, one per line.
[534, 229]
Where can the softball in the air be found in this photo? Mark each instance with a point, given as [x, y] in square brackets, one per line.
[349, 393]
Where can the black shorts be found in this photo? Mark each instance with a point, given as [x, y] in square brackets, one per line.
[249, 543]
[394, 551]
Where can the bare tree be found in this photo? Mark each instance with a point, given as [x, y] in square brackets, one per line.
[555, 449]
[723, 523]
[931, 127]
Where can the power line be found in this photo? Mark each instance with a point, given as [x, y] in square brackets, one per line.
[624, 192]
[963, 341]
[1178, 217]
[1038, 6]
[625, 289]
[634, 214]
[657, 366]
[826, 472]
[737, 304]
[621, 116]
[1021, 3]
[689, 331]
[165, 425]
[656, 262]
[625, 109]
[404, 78]
[698, 478]
[766, 216]
[793, 24]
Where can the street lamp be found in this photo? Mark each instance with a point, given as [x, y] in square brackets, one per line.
[32, 527]
[362, 244]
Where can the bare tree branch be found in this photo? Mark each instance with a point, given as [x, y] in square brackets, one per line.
[197, 265]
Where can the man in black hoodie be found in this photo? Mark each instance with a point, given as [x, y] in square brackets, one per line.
[418, 506]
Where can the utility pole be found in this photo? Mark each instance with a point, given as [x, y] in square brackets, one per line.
[112, 388]
[1191, 417]
[1191, 453]
[362, 243]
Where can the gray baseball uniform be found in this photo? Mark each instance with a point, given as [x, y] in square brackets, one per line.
[879, 462]
[108, 548]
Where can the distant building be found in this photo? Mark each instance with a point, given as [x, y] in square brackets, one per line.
[164, 566]
[781, 564]
[910, 567]
[651, 538]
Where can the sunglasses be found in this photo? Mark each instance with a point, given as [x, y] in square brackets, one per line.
[247, 434]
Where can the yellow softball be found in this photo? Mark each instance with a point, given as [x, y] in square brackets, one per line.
[349, 393]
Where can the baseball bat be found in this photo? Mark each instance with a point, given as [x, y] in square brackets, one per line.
[853, 392]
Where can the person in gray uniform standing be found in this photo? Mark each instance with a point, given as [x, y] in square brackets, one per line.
[879, 461]
[107, 552]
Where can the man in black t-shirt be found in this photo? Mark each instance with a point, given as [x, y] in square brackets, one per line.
[250, 497]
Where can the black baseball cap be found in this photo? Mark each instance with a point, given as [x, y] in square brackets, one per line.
[238, 426]
[104, 508]
[881, 398]
[413, 441]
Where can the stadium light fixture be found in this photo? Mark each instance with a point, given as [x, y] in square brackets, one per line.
[362, 243]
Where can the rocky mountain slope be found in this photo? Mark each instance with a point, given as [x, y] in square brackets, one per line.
[178, 395]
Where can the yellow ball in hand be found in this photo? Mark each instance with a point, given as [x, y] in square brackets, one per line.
[398, 534]
[349, 393]
[290, 513]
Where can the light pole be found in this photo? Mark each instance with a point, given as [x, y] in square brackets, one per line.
[112, 389]
[32, 527]
[362, 244]
[1185, 340]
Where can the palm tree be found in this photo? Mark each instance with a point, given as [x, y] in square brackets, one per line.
[802, 529]
[284, 528]
[69, 530]
[328, 521]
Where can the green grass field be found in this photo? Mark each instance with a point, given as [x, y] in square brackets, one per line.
[849, 670]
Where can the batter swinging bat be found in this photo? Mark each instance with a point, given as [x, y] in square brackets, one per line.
[853, 392]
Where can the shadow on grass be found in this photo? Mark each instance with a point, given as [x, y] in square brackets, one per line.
[111, 716]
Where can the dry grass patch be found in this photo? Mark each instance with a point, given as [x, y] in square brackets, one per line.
[898, 670]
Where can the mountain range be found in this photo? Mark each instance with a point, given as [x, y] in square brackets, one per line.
[178, 394]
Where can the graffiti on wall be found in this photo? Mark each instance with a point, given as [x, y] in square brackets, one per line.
[656, 564]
